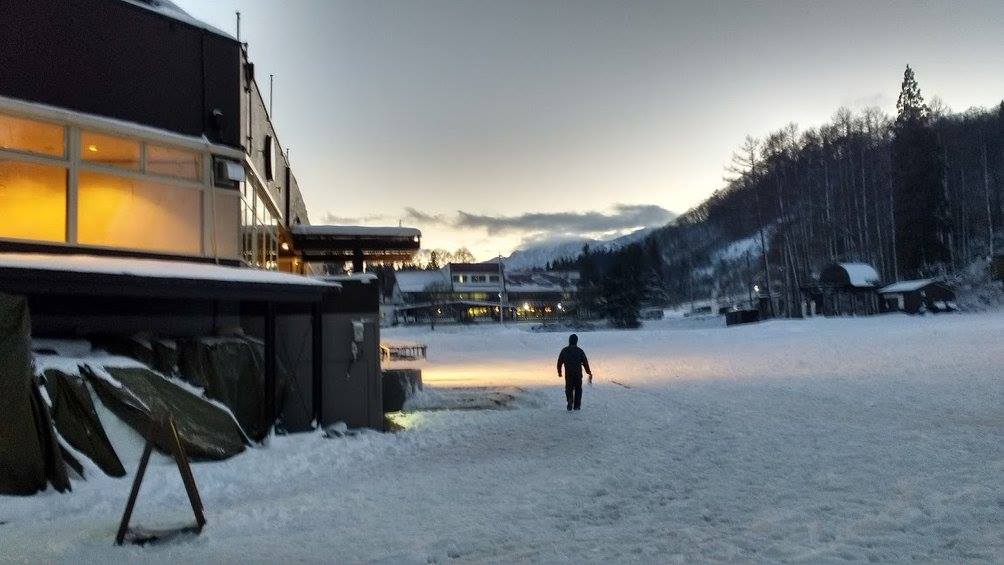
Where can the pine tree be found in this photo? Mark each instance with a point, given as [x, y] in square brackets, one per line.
[910, 107]
[625, 287]
[589, 292]
[920, 203]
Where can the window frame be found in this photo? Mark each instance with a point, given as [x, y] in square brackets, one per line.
[73, 126]
[66, 139]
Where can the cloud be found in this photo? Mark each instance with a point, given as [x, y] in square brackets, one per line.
[623, 217]
[417, 216]
[531, 227]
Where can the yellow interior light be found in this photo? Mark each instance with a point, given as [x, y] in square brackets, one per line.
[92, 148]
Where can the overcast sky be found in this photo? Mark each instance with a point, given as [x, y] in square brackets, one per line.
[487, 123]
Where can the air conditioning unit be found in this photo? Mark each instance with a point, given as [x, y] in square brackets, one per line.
[227, 172]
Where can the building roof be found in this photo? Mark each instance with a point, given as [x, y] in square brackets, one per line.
[173, 11]
[419, 281]
[861, 275]
[487, 267]
[541, 282]
[364, 278]
[356, 231]
[906, 286]
[40, 273]
[343, 243]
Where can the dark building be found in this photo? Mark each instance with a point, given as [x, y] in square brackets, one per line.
[843, 289]
[916, 296]
[144, 190]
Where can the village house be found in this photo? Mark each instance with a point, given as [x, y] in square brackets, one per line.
[917, 296]
[470, 292]
[843, 289]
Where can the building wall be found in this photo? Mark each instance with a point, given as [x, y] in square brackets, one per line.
[271, 198]
[257, 130]
[114, 59]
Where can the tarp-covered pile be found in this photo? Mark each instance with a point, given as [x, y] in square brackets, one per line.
[46, 419]
[139, 396]
[30, 454]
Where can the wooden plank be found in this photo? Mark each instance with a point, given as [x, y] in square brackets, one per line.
[124, 525]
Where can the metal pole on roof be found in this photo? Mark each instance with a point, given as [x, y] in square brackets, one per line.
[501, 294]
[271, 81]
[238, 26]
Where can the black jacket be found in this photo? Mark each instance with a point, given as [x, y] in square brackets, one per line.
[574, 359]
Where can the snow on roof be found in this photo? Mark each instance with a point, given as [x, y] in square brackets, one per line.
[360, 277]
[356, 231]
[531, 282]
[906, 286]
[173, 11]
[153, 268]
[418, 281]
[861, 275]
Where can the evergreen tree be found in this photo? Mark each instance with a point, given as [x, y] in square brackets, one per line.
[920, 203]
[589, 291]
[625, 287]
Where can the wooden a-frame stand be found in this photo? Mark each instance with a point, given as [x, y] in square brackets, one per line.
[163, 425]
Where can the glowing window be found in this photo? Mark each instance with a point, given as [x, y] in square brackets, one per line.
[19, 134]
[138, 214]
[33, 200]
[109, 150]
[171, 162]
[226, 222]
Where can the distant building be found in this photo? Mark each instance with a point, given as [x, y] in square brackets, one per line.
[469, 292]
[843, 289]
[912, 297]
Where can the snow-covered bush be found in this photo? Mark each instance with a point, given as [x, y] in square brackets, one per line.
[975, 288]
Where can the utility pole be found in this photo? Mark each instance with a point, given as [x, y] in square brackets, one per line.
[502, 299]
[749, 273]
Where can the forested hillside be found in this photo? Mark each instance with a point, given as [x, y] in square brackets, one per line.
[914, 194]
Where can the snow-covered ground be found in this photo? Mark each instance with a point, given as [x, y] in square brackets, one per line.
[824, 440]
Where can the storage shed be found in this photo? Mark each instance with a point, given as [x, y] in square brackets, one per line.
[845, 289]
[915, 296]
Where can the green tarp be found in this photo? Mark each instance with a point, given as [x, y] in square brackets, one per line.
[206, 431]
[77, 421]
[30, 456]
[232, 371]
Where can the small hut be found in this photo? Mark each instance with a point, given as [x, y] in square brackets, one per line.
[921, 295]
[844, 289]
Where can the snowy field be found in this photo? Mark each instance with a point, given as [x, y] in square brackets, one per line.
[868, 439]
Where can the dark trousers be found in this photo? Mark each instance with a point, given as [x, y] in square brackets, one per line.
[573, 391]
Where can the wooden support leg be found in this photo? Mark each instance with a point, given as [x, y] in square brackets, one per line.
[186, 475]
[124, 525]
[163, 426]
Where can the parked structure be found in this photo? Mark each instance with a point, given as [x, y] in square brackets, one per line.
[917, 296]
[844, 289]
[147, 191]
[468, 292]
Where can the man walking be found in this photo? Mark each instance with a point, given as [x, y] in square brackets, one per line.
[573, 359]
